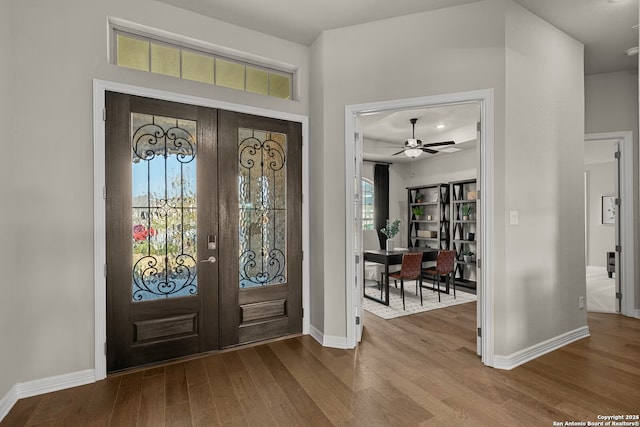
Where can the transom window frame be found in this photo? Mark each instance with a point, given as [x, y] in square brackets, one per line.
[182, 43]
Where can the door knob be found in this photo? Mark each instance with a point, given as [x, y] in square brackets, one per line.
[211, 259]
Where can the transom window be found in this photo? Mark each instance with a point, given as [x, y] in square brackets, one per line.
[367, 204]
[160, 57]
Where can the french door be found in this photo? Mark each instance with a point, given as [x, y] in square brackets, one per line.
[203, 229]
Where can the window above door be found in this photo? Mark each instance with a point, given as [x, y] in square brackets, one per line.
[173, 55]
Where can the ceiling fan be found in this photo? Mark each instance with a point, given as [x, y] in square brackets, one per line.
[414, 147]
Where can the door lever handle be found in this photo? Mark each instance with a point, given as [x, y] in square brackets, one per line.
[211, 260]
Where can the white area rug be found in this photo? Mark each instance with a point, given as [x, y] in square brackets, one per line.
[601, 291]
[412, 302]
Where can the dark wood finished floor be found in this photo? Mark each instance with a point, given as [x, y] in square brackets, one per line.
[418, 370]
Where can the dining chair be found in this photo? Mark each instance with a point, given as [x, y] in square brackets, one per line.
[444, 267]
[411, 269]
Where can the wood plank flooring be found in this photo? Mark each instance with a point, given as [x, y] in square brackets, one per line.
[419, 370]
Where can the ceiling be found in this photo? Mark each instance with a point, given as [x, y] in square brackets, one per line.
[604, 26]
[385, 133]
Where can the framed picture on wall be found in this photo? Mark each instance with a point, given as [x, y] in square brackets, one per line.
[608, 210]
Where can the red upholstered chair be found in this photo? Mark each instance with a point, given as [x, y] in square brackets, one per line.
[444, 267]
[410, 270]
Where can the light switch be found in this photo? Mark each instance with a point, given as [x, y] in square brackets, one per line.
[513, 217]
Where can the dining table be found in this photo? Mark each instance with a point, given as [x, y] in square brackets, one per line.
[389, 258]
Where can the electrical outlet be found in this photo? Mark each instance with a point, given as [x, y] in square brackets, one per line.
[581, 302]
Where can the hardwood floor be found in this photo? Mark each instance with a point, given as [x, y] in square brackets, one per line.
[419, 370]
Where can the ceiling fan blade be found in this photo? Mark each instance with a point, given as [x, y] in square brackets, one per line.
[435, 144]
[427, 150]
[399, 152]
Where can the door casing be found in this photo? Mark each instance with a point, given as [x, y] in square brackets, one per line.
[99, 213]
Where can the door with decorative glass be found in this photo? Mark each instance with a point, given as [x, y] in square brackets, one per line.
[261, 203]
[174, 192]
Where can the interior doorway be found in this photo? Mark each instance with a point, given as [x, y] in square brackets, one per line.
[430, 190]
[609, 251]
[602, 227]
[484, 163]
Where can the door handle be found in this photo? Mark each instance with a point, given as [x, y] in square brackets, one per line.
[211, 260]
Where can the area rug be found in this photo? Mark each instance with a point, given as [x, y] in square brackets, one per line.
[412, 302]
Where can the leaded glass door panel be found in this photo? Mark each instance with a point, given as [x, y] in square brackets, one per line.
[161, 199]
[261, 228]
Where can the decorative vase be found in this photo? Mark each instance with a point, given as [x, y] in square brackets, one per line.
[389, 245]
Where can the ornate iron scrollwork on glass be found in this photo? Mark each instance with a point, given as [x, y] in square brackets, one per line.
[262, 207]
[163, 152]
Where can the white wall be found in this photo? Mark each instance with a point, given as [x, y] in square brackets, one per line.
[448, 50]
[316, 185]
[59, 48]
[543, 157]
[11, 294]
[600, 237]
[611, 105]
[537, 74]
[442, 168]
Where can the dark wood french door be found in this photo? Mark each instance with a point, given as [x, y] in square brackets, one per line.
[261, 201]
[203, 226]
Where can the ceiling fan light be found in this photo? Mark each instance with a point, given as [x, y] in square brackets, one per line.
[411, 142]
[413, 152]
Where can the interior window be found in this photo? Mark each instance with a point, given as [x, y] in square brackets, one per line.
[367, 204]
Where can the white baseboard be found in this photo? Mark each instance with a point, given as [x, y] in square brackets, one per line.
[523, 356]
[327, 340]
[316, 334]
[44, 385]
[335, 342]
[7, 402]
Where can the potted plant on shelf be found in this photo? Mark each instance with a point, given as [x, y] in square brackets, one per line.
[417, 211]
[390, 231]
[467, 256]
[465, 210]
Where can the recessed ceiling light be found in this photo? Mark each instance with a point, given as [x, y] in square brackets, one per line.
[440, 126]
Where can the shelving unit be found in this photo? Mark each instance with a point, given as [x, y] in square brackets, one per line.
[431, 227]
[463, 231]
